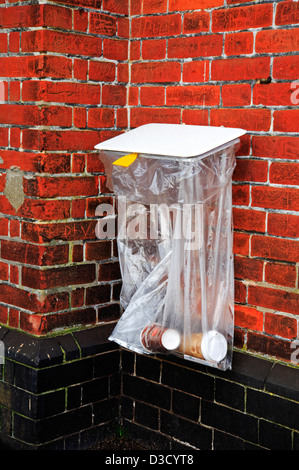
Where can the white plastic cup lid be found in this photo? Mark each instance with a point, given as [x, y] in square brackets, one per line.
[171, 339]
[214, 346]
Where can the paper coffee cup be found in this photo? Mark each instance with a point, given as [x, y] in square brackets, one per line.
[171, 339]
[210, 346]
[214, 346]
[156, 338]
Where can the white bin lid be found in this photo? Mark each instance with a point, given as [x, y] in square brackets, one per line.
[173, 140]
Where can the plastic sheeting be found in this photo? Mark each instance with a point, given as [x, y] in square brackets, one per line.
[175, 252]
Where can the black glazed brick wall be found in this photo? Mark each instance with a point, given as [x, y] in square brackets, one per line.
[74, 390]
[60, 392]
[178, 404]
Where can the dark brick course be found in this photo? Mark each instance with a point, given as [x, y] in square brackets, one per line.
[74, 390]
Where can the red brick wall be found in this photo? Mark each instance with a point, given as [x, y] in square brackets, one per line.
[63, 66]
[207, 62]
[190, 61]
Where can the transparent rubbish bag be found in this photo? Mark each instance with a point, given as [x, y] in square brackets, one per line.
[175, 252]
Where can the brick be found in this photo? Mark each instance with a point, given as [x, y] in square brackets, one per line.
[36, 66]
[245, 17]
[4, 272]
[20, 66]
[133, 99]
[270, 346]
[3, 42]
[2, 182]
[56, 41]
[100, 23]
[156, 26]
[207, 95]
[94, 164]
[56, 16]
[3, 315]
[196, 116]
[80, 20]
[140, 116]
[14, 42]
[155, 72]
[283, 225]
[154, 49]
[25, 299]
[80, 117]
[286, 120]
[236, 95]
[98, 294]
[284, 173]
[66, 231]
[3, 137]
[121, 117]
[280, 325]
[275, 198]
[135, 50]
[197, 46]
[249, 119]
[109, 271]
[3, 227]
[275, 147]
[61, 92]
[286, 67]
[248, 219]
[152, 96]
[60, 140]
[15, 91]
[241, 196]
[114, 94]
[248, 317]
[45, 210]
[183, 5]
[248, 268]
[55, 66]
[273, 94]
[101, 71]
[45, 187]
[251, 170]
[24, 16]
[97, 251]
[277, 40]
[154, 6]
[274, 248]
[19, 114]
[123, 72]
[80, 69]
[15, 137]
[123, 28]
[287, 13]
[280, 274]
[238, 43]
[78, 208]
[101, 117]
[245, 68]
[115, 49]
[42, 325]
[275, 299]
[115, 6]
[196, 71]
[28, 253]
[58, 277]
[14, 228]
[196, 22]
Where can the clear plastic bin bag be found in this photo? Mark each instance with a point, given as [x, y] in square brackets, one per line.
[175, 252]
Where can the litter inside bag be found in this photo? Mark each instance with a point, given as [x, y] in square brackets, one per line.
[175, 253]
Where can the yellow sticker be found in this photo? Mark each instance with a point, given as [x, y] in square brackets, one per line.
[127, 160]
